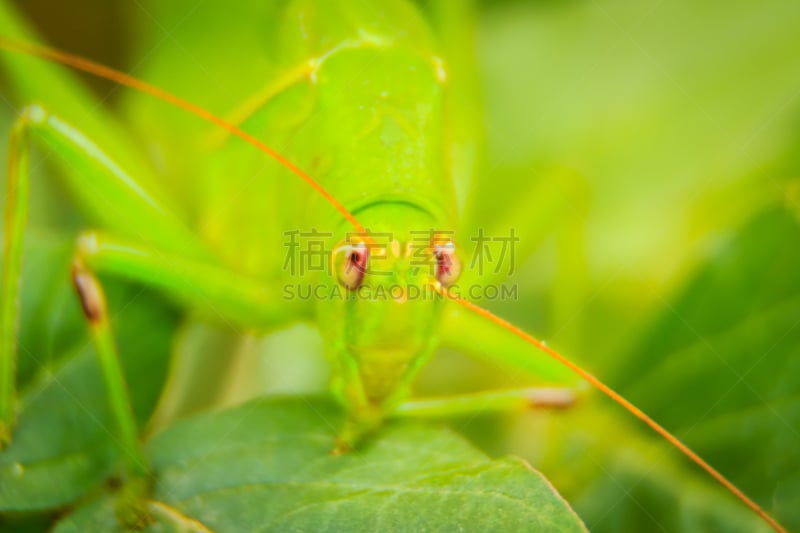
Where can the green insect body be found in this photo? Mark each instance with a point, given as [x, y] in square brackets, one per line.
[362, 100]
[355, 98]
[385, 133]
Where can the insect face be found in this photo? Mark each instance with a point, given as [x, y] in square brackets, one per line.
[386, 308]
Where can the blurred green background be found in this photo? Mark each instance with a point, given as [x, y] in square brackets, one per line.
[649, 154]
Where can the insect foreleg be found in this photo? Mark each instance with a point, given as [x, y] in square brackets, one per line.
[162, 254]
[471, 335]
[235, 299]
[102, 186]
[93, 303]
[214, 290]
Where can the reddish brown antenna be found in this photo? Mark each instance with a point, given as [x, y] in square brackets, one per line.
[102, 71]
[611, 393]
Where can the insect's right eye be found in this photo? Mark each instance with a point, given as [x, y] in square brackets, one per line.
[448, 266]
[351, 265]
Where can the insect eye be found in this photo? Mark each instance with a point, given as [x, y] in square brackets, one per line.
[352, 265]
[448, 267]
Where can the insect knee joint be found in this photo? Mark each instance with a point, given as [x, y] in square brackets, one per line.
[33, 114]
[551, 398]
[87, 244]
[89, 292]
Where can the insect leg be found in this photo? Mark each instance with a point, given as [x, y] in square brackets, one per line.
[16, 213]
[502, 400]
[246, 302]
[213, 290]
[481, 339]
[102, 187]
[93, 303]
[365, 416]
[476, 337]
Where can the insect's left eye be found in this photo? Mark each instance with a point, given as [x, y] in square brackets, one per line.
[351, 264]
[448, 267]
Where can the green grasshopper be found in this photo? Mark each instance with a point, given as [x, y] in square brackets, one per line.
[355, 92]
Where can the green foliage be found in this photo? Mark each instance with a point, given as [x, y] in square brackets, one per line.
[267, 465]
[62, 447]
[675, 270]
[729, 343]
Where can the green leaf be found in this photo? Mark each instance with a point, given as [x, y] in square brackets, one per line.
[730, 342]
[267, 465]
[720, 369]
[63, 445]
[99, 516]
[24, 523]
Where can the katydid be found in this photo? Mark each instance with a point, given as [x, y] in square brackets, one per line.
[361, 95]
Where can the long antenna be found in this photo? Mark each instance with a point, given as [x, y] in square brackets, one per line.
[611, 393]
[102, 71]
[96, 69]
